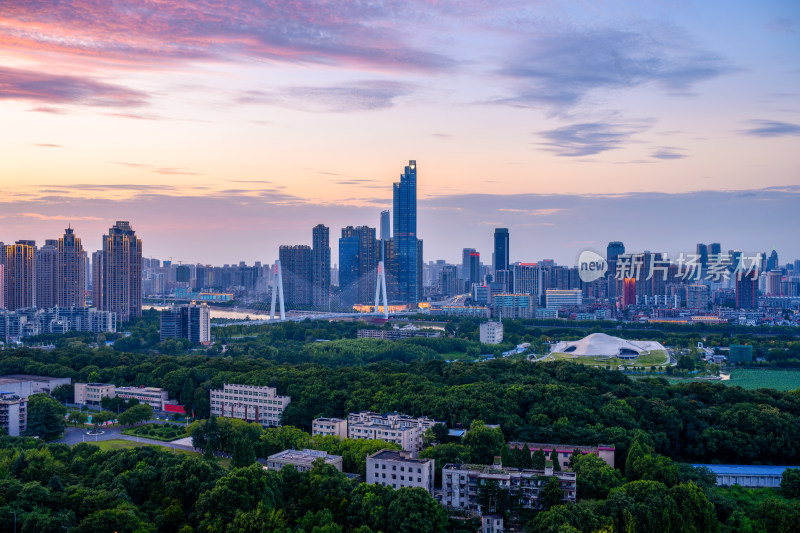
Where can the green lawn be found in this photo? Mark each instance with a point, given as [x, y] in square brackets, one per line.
[162, 432]
[654, 358]
[751, 378]
[121, 444]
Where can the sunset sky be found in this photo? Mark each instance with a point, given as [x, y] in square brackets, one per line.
[222, 129]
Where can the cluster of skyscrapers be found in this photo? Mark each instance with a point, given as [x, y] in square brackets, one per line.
[58, 273]
[307, 270]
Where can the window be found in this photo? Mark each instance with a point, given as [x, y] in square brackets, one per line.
[402, 478]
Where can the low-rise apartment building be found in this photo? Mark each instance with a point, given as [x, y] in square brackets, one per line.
[92, 393]
[462, 484]
[398, 469]
[251, 403]
[403, 430]
[13, 414]
[302, 460]
[336, 427]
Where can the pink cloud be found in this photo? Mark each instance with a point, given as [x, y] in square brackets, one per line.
[151, 32]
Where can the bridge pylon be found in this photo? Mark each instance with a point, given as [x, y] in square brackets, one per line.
[380, 283]
[277, 291]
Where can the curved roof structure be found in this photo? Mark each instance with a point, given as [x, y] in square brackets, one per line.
[602, 345]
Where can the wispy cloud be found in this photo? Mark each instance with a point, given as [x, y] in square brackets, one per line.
[126, 32]
[772, 128]
[48, 145]
[667, 153]
[588, 138]
[360, 96]
[19, 84]
[558, 70]
[40, 216]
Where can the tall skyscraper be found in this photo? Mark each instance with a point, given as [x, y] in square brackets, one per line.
[120, 287]
[71, 271]
[613, 251]
[772, 261]
[358, 263]
[385, 229]
[2, 283]
[296, 273]
[702, 256]
[471, 265]
[501, 249]
[47, 278]
[747, 290]
[715, 249]
[321, 265]
[20, 286]
[405, 235]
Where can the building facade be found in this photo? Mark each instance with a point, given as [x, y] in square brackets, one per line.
[13, 414]
[403, 430]
[463, 484]
[563, 299]
[20, 275]
[296, 265]
[47, 275]
[251, 403]
[336, 427]
[119, 284]
[358, 264]
[399, 469]
[409, 264]
[191, 322]
[501, 249]
[71, 271]
[321, 266]
[491, 332]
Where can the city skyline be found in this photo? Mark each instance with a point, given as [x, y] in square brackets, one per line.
[531, 116]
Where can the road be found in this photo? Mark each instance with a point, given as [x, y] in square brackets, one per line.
[75, 435]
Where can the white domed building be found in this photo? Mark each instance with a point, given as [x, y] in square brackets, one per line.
[602, 345]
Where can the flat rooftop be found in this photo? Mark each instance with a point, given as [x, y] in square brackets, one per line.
[303, 456]
[747, 470]
[397, 455]
[16, 378]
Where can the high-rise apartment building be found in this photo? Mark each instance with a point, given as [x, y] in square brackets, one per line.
[71, 271]
[2, 284]
[47, 278]
[358, 264]
[747, 290]
[120, 273]
[20, 275]
[191, 322]
[448, 281]
[321, 265]
[613, 251]
[471, 264]
[501, 249]
[296, 272]
[409, 263]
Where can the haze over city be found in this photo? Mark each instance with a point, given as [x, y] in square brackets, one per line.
[224, 131]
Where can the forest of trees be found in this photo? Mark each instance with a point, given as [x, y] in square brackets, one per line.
[656, 426]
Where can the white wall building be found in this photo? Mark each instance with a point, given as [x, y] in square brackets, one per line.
[398, 469]
[491, 332]
[336, 427]
[249, 402]
[23, 385]
[404, 430]
[13, 414]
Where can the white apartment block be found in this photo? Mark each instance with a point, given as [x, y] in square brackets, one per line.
[13, 414]
[403, 430]
[398, 469]
[250, 403]
[336, 427]
[491, 332]
[461, 485]
[302, 460]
